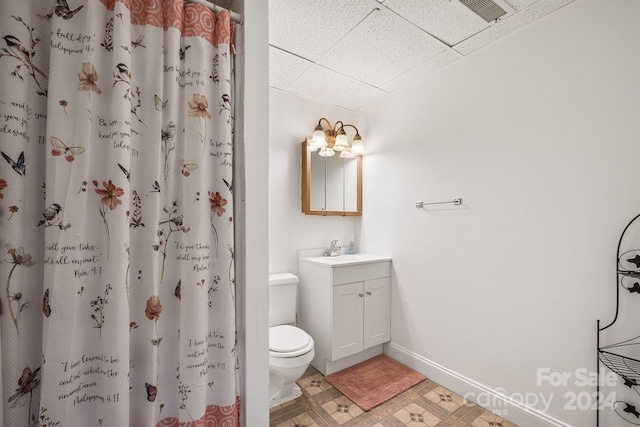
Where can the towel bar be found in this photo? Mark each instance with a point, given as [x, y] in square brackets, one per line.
[456, 202]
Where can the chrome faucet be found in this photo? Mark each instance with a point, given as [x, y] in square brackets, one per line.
[334, 250]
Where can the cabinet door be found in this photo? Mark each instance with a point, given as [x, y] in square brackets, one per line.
[377, 308]
[346, 324]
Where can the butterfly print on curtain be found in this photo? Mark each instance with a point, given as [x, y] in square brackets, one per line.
[152, 392]
[187, 167]
[46, 308]
[60, 148]
[61, 9]
[29, 380]
[17, 165]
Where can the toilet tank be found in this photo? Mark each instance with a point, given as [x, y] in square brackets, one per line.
[283, 289]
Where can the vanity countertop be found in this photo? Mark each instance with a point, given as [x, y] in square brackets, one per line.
[343, 260]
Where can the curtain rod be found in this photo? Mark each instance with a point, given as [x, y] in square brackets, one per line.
[236, 17]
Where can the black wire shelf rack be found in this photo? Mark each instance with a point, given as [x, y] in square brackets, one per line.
[617, 357]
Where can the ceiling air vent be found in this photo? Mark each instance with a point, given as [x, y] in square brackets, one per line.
[489, 10]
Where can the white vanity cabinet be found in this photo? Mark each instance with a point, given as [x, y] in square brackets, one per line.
[344, 304]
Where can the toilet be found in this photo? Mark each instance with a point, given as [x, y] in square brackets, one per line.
[290, 348]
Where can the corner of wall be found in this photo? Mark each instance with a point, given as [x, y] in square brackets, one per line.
[251, 170]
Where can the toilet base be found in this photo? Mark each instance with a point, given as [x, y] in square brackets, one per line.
[276, 399]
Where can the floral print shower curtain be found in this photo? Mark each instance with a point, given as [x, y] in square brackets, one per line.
[116, 220]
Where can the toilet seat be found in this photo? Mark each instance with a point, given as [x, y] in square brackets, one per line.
[288, 341]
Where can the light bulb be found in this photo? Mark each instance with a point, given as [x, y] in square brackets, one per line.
[326, 152]
[357, 147]
[342, 142]
[319, 139]
[311, 146]
[346, 153]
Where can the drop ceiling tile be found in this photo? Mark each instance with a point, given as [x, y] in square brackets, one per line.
[310, 28]
[374, 95]
[442, 60]
[380, 48]
[285, 68]
[532, 13]
[448, 20]
[328, 87]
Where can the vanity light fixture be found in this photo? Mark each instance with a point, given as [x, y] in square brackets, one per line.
[335, 139]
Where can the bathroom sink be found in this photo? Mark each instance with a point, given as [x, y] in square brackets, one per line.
[350, 259]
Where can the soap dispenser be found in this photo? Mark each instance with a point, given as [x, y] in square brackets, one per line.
[351, 248]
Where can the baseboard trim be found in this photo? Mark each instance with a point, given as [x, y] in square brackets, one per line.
[499, 403]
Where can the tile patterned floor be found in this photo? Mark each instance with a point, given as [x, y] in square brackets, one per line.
[425, 404]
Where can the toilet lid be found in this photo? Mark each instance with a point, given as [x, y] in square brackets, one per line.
[287, 339]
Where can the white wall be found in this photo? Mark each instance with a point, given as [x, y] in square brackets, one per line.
[539, 133]
[250, 205]
[292, 119]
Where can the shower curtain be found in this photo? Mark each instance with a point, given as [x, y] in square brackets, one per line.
[116, 220]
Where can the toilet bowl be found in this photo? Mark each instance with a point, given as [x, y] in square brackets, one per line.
[290, 352]
[290, 348]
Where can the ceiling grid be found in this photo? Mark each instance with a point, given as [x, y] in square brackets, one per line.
[349, 53]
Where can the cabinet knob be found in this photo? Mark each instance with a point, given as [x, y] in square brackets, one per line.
[360, 295]
[368, 292]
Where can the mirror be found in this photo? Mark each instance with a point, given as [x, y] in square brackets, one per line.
[331, 185]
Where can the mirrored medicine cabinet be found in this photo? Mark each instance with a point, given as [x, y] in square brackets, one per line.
[331, 186]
